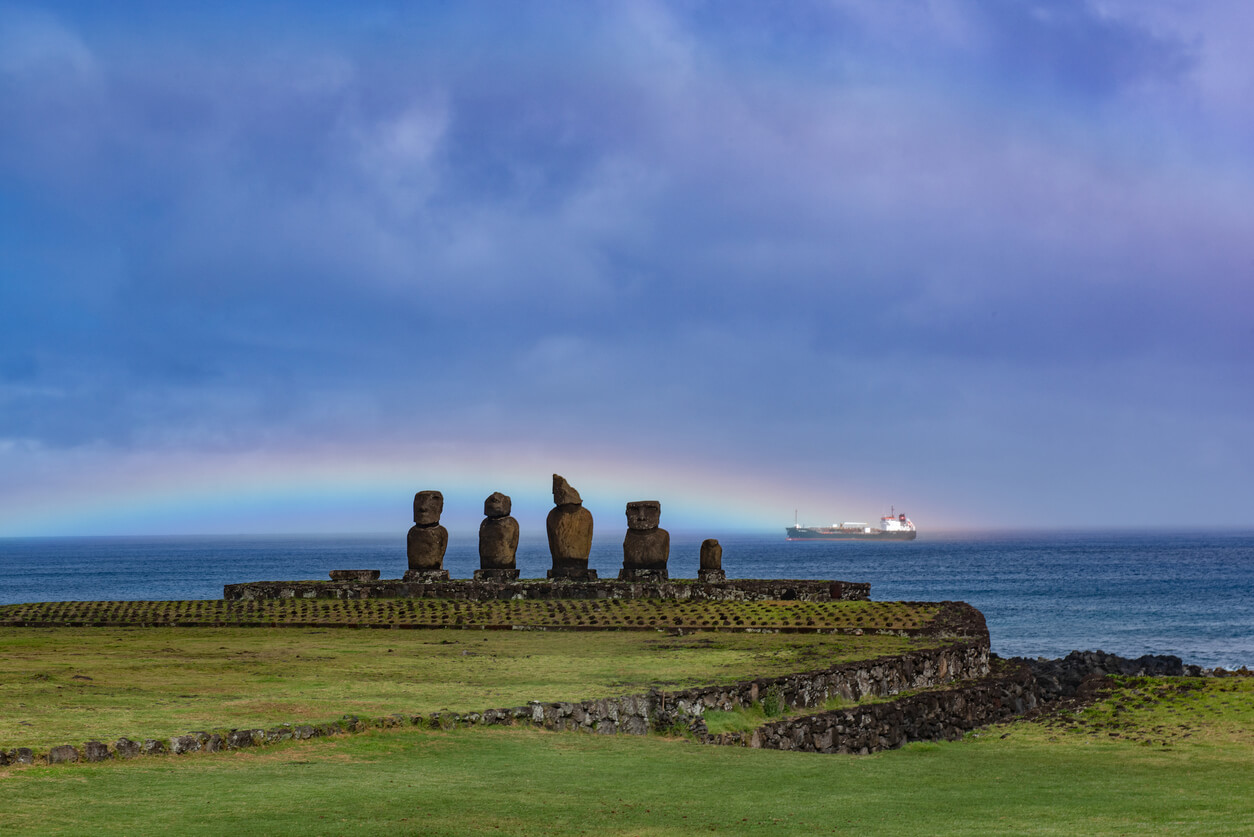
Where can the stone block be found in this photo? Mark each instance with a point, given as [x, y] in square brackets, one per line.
[425, 546]
[181, 744]
[426, 576]
[64, 754]
[125, 748]
[564, 493]
[644, 514]
[498, 543]
[711, 554]
[22, 755]
[643, 574]
[96, 751]
[569, 528]
[428, 506]
[711, 576]
[497, 505]
[151, 747]
[354, 575]
[646, 549]
[496, 575]
[572, 573]
[238, 738]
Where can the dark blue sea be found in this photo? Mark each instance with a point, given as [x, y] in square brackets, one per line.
[1191, 595]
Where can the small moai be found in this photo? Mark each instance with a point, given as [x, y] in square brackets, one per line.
[646, 548]
[498, 540]
[427, 539]
[711, 561]
[569, 527]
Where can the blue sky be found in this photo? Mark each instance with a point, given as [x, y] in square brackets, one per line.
[275, 266]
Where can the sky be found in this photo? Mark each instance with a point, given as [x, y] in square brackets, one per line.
[275, 266]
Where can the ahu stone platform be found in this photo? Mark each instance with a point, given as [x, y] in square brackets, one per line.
[737, 589]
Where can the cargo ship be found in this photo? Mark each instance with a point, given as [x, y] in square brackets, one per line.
[893, 527]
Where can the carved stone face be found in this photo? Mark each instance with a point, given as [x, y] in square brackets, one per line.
[563, 494]
[497, 505]
[644, 514]
[427, 507]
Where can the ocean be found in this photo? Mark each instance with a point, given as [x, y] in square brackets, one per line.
[1191, 595]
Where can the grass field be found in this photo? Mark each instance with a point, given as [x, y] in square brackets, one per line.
[594, 614]
[68, 685]
[1058, 777]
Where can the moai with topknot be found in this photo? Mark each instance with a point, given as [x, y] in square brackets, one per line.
[711, 561]
[569, 527]
[427, 539]
[498, 540]
[646, 548]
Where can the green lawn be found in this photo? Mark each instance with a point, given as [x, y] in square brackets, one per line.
[1022, 778]
[69, 685]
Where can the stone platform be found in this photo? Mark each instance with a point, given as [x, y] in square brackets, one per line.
[732, 589]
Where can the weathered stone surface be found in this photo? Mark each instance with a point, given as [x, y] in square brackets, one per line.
[644, 514]
[569, 528]
[22, 755]
[426, 576]
[737, 589]
[646, 549]
[643, 575]
[564, 493]
[498, 543]
[711, 554]
[425, 546]
[181, 744]
[713, 577]
[125, 748]
[496, 575]
[497, 505]
[151, 747]
[96, 751]
[63, 754]
[354, 575]
[428, 506]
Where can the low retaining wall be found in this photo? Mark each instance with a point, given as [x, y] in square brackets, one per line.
[738, 589]
[629, 714]
[930, 716]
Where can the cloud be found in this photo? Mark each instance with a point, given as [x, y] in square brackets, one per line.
[698, 229]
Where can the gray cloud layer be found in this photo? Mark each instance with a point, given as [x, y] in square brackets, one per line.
[1010, 238]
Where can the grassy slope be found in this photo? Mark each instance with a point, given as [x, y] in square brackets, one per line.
[1037, 779]
[68, 685]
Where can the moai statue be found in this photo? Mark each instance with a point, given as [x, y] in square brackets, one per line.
[569, 526]
[711, 561]
[498, 541]
[427, 539]
[646, 547]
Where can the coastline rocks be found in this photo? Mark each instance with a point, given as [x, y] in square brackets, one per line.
[1062, 678]
[427, 540]
[711, 561]
[646, 547]
[569, 528]
[498, 540]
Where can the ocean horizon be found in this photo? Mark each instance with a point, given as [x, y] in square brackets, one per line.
[1042, 593]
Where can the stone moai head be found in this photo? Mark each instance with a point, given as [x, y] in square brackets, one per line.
[711, 554]
[428, 506]
[497, 505]
[564, 494]
[644, 514]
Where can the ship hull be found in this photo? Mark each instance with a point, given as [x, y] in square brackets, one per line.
[802, 533]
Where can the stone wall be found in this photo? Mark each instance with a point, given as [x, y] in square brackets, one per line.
[739, 589]
[629, 714]
[928, 716]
